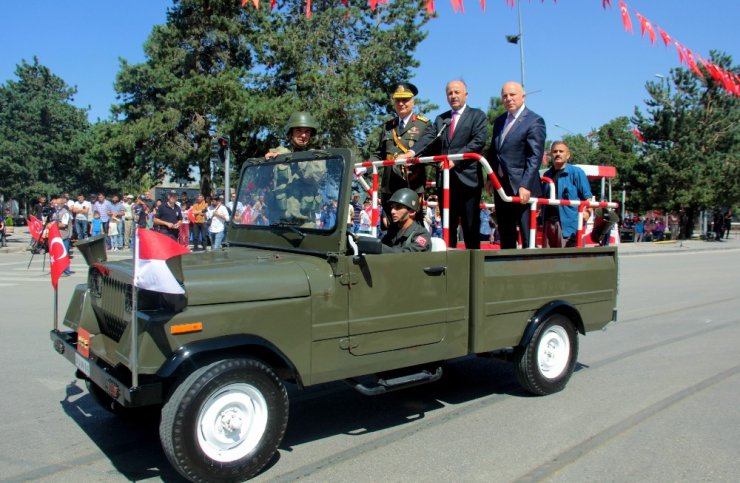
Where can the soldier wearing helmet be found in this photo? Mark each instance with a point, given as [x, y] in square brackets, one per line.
[405, 234]
[300, 130]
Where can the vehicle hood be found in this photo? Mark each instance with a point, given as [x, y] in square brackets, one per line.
[241, 276]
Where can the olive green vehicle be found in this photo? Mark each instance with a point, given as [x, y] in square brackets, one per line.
[295, 299]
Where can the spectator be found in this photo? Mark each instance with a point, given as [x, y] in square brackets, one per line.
[82, 211]
[168, 217]
[639, 227]
[674, 224]
[102, 207]
[659, 231]
[366, 217]
[113, 233]
[199, 209]
[485, 225]
[63, 219]
[96, 225]
[140, 212]
[219, 216]
[128, 221]
[356, 209]
[184, 236]
[116, 210]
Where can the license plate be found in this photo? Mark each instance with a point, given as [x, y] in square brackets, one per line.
[82, 364]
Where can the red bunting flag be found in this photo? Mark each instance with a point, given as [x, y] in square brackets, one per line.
[510, 3]
[626, 20]
[681, 53]
[430, 6]
[57, 255]
[455, 5]
[308, 9]
[35, 227]
[604, 3]
[646, 26]
[663, 35]
[483, 5]
[150, 264]
[344, 2]
[373, 4]
[692, 63]
[638, 135]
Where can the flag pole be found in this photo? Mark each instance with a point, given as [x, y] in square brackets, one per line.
[56, 309]
[134, 357]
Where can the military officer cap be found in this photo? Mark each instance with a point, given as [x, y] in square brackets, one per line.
[404, 90]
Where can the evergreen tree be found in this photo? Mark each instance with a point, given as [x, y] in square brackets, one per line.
[42, 135]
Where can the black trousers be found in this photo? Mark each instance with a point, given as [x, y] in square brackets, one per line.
[510, 216]
[465, 206]
[199, 235]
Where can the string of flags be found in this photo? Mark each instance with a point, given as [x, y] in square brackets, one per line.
[728, 80]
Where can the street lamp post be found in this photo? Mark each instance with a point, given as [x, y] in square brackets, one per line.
[565, 129]
[519, 39]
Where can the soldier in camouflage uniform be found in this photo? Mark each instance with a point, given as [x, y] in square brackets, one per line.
[398, 136]
[405, 234]
[300, 130]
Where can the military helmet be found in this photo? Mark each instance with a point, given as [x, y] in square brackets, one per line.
[302, 119]
[406, 197]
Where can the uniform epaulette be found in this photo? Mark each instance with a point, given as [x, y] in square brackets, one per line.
[422, 118]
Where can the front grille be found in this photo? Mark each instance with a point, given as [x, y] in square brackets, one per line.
[113, 306]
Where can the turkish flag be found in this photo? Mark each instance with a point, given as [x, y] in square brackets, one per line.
[35, 227]
[664, 35]
[626, 20]
[190, 215]
[638, 135]
[57, 255]
[150, 268]
[604, 3]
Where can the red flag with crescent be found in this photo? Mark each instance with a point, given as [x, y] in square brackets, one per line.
[35, 227]
[664, 35]
[626, 20]
[57, 254]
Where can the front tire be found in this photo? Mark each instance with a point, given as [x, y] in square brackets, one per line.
[545, 364]
[224, 421]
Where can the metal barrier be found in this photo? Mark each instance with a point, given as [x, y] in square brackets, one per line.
[444, 161]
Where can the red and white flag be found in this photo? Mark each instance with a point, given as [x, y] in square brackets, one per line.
[150, 268]
[35, 227]
[57, 254]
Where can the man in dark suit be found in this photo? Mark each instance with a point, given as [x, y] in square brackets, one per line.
[516, 155]
[465, 131]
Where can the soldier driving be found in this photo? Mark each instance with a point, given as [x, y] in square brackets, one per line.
[300, 130]
[398, 136]
[404, 233]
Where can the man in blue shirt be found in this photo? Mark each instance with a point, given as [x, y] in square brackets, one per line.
[561, 222]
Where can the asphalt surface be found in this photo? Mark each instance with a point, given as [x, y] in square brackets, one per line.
[654, 397]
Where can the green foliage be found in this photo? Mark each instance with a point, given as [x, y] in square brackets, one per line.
[217, 67]
[691, 155]
[582, 149]
[42, 135]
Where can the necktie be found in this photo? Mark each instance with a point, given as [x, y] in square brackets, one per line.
[401, 125]
[455, 115]
[509, 124]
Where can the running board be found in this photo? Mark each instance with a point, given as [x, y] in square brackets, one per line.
[382, 386]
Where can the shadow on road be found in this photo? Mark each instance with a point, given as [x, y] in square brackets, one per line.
[131, 444]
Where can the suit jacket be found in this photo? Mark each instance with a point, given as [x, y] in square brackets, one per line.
[469, 137]
[520, 153]
[397, 177]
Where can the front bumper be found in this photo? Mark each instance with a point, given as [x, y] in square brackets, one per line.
[116, 383]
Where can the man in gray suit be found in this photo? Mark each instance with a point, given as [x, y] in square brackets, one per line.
[462, 129]
[516, 155]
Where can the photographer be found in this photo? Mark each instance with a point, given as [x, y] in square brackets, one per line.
[168, 216]
[199, 209]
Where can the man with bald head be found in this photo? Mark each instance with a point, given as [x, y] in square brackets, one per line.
[515, 155]
[462, 129]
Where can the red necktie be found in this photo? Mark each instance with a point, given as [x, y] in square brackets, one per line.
[455, 115]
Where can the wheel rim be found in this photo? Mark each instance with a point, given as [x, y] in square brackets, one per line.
[232, 422]
[553, 352]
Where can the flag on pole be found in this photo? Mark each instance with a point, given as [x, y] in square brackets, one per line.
[150, 268]
[35, 227]
[57, 255]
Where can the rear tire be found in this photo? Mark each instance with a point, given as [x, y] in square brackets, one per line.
[545, 364]
[224, 421]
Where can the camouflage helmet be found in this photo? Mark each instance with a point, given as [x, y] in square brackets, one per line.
[301, 119]
[406, 197]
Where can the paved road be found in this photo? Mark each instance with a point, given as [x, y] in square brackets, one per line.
[654, 398]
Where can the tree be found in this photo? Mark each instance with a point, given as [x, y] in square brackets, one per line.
[581, 149]
[42, 135]
[218, 68]
[691, 154]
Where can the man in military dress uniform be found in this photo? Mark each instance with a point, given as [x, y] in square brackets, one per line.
[404, 233]
[398, 136]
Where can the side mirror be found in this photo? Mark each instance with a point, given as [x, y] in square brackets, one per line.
[369, 245]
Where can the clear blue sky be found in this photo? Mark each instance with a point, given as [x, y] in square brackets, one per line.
[587, 68]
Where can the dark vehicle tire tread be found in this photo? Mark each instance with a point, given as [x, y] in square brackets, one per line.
[248, 380]
[545, 365]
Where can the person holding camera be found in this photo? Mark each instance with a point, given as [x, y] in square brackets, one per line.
[168, 217]
[199, 209]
